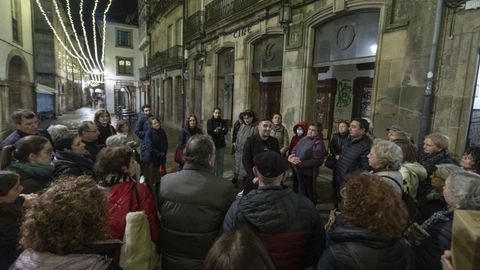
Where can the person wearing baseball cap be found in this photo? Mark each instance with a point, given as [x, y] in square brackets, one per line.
[280, 217]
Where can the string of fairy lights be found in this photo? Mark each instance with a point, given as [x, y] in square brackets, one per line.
[93, 66]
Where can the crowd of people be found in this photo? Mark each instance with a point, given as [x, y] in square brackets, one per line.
[99, 197]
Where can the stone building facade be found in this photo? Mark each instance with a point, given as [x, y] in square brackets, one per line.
[325, 60]
[16, 60]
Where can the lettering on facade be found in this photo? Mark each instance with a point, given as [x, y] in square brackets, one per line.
[269, 53]
[344, 97]
[242, 32]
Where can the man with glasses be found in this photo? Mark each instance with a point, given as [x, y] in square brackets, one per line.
[88, 131]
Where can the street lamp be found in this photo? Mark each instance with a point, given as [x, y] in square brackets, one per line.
[285, 15]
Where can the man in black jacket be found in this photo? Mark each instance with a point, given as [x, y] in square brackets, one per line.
[287, 222]
[354, 154]
[255, 145]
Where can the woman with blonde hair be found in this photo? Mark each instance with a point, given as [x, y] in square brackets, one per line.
[367, 235]
[67, 228]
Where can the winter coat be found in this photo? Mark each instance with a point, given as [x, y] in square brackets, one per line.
[296, 138]
[281, 134]
[193, 203]
[336, 143]
[429, 252]
[429, 161]
[356, 248]
[32, 182]
[353, 157]
[17, 135]
[10, 222]
[92, 148]
[254, 146]
[141, 127]
[105, 132]
[412, 174]
[217, 129]
[244, 132]
[92, 257]
[274, 210]
[311, 151]
[122, 196]
[68, 164]
[389, 177]
[154, 147]
[186, 134]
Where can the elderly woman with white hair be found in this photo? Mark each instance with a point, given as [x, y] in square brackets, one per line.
[461, 191]
[385, 158]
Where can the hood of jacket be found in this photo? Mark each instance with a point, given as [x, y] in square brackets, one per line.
[303, 124]
[417, 169]
[266, 209]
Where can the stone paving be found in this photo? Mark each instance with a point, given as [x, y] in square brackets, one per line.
[74, 118]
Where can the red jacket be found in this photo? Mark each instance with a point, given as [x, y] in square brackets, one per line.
[120, 205]
[296, 138]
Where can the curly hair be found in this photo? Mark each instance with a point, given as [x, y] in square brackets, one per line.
[474, 151]
[110, 160]
[70, 213]
[388, 154]
[373, 204]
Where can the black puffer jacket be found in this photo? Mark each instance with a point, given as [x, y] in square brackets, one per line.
[429, 252]
[356, 248]
[193, 203]
[68, 164]
[353, 157]
[275, 210]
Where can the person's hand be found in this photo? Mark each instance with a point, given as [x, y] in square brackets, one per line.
[337, 157]
[446, 260]
[255, 180]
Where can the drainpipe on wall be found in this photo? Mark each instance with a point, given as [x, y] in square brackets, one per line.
[184, 80]
[426, 117]
[32, 18]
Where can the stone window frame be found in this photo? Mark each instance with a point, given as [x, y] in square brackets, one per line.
[123, 38]
[125, 72]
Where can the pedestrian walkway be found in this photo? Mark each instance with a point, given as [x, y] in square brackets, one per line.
[73, 119]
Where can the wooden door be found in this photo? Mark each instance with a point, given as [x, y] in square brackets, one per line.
[270, 94]
[362, 97]
[324, 103]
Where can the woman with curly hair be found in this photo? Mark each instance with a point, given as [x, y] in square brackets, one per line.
[115, 169]
[66, 228]
[103, 121]
[461, 191]
[471, 160]
[368, 233]
[188, 131]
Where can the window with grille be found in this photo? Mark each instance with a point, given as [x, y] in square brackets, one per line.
[124, 38]
[124, 66]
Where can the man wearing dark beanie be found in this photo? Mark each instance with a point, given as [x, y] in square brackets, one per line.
[286, 222]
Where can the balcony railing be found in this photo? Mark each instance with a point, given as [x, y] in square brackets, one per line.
[218, 10]
[167, 58]
[194, 26]
[159, 8]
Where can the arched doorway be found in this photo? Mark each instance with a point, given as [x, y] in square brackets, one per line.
[267, 75]
[20, 93]
[344, 60]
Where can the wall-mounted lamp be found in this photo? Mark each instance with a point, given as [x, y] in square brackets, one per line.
[285, 15]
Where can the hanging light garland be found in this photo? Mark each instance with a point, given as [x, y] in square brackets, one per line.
[89, 65]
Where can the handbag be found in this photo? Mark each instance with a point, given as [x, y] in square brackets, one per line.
[178, 158]
[330, 161]
[138, 250]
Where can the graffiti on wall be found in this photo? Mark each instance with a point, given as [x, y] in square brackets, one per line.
[343, 100]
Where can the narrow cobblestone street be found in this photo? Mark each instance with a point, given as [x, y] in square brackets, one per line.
[73, 119]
